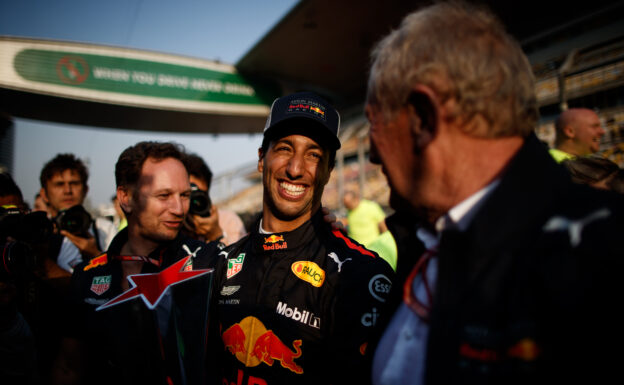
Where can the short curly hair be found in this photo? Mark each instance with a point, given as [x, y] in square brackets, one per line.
[60, 163]
[130, 162]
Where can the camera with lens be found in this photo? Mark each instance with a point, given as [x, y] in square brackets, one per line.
[75, 220]
[200, 202]
[22, 236]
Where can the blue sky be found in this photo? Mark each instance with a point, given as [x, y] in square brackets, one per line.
[206, 29]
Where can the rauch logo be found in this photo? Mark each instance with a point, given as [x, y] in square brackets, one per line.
[309, 272]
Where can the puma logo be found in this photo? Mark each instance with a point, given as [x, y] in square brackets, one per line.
[333, 256]
[575, 227]
[191, 253]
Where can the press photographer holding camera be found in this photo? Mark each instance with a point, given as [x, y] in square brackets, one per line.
[17, 341]
[204, 221]
[32, 288]
[64, 188]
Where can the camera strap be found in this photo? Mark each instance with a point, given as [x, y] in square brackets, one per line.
[153, 261]
[96, 235]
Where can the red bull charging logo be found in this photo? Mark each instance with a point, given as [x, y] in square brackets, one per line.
[274, 238]
[270, 242]
[97, 261]
[252, 344]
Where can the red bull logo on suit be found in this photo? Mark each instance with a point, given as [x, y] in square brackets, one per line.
[253, 344]
[271, 243]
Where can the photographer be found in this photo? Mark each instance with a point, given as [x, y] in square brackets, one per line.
[18, 353]
[206, 222]
[64, 186]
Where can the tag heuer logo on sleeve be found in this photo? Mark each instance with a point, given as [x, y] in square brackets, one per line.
[100, 284]
[235, 265]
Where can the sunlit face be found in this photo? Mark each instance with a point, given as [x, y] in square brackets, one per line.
[392, 147]
[295, 170]
[161, 200]
[350, 200]
[64, 190]
[588, 131]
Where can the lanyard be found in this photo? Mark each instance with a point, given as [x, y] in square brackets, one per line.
[409, 297]
[153, 261]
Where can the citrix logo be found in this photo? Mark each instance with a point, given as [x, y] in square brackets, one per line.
[370, 319]
[304, 316]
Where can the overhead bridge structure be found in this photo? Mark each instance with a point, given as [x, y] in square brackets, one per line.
[114, 87]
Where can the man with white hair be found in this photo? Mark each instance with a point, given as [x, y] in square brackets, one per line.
[510, 273]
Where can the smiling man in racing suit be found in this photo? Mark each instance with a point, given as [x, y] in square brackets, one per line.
[295, 301]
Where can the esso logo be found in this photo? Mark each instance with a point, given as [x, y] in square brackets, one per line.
[379, 286]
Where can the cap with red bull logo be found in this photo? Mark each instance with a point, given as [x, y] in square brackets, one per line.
[310, 107]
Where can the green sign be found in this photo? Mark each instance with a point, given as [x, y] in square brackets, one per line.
[139, 77]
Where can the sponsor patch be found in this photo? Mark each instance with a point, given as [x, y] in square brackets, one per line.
[229, 290]
[229, 301]
[271, 243]
[310, 106]
[151, 288]
[334, 256]
[235, 265]
[97, 261]
[303, 316]
[317, 110]
[252, 344]
[370, 319]
[274, 238]
[101, 284]
[379, 287]
[191, 253]
[526, 350]
[95, 301]
[575, 227]
[478, 353]
[309, 272]
[188, 265]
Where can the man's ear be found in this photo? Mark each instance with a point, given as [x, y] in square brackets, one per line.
[260, 159]
[424, 107]
[85, 190]
[124, 197]
[44, 196]
[569, 131]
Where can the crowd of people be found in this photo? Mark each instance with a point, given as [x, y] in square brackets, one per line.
[499, 264]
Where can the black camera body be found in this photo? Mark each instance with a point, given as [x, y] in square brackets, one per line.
[200, 202]
[21, 237]
[75, 220]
